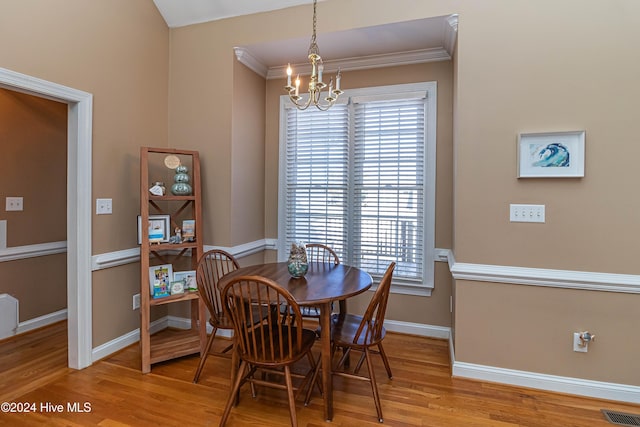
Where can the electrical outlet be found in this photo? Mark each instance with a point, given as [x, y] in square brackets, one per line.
[103, 206]
[136, 301]
[14, 204]
[578, 345]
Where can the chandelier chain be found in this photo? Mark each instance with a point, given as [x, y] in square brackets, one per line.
[313, 46]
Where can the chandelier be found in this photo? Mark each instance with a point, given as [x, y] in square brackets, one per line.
[316, 85]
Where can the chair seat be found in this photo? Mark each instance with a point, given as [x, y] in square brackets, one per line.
[276, 355]
[345, 328]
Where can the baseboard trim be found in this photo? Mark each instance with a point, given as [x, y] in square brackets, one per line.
[418, 329]
[123, 341]
[575, 386]
[41, 321]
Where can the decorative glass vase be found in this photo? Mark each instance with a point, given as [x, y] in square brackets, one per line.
[181, 180]
[297, 263]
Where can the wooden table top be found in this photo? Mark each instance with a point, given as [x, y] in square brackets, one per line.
[323, 283]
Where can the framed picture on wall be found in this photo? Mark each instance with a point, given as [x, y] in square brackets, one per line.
[159, 228]
[551, 155]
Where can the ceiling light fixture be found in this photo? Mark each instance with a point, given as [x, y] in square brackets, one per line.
[315, 83]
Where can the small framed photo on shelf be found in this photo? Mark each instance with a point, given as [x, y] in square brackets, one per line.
[160, 278]
[177, 287]
[189, 279]
[159, 226]
[189, 230]
[551, 155]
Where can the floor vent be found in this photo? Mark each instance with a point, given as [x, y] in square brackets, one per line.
[621, 419]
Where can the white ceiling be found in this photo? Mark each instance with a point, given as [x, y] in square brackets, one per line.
[178, 13]
[402, 42]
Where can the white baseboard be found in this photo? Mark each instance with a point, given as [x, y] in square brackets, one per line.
[133, 337]
[123, 341]
[417, 329]
[39, 322]
[576, 386]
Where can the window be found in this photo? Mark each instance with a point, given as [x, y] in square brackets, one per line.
[360, 178]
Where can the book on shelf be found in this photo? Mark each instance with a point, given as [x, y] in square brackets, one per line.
[189, 230]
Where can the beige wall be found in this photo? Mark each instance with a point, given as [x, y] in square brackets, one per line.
[33, 137]
[118, 50]
[576, 74]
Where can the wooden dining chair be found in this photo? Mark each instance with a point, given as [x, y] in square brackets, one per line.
[317, 253]
[267, 338]
[365, 334]
[211, 267]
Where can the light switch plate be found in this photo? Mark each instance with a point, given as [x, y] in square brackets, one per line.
[527, 213]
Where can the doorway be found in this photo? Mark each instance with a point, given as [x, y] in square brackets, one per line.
[79, 123]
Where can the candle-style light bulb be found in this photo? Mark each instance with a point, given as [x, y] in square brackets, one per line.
[297, 85]
[289, 72]
[338, 77]
[320, 70]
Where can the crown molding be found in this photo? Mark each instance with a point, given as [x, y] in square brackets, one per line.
[245, 57]
[450, 34]
[365, 62]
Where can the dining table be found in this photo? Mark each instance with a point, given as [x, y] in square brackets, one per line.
[323, 284]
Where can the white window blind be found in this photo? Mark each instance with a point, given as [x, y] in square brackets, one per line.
[361, 178]
[317, 175]
[389, 187]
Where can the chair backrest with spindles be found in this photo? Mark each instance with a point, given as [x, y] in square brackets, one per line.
[266, 333]
[373, 318]
[212, 266]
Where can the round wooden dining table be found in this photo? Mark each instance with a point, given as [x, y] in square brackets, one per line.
[323, 284]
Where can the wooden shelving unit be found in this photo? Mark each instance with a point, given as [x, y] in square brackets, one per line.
[171, 343]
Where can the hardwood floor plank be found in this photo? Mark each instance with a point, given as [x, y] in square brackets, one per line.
[421, 393]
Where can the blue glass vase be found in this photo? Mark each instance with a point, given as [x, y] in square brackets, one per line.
[297, 263]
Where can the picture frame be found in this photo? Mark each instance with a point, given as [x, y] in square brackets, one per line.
[189, 278]
[160, 232]
[189, 230]
[160, 276]
[551, 154]
[177, 287]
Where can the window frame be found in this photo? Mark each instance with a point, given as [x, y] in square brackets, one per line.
[430, 120]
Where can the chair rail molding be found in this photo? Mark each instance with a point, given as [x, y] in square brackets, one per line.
[568, 279]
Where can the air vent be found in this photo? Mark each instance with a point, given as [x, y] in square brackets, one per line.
[621, 419]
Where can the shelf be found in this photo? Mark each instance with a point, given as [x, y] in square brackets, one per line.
[188, 295]
[171, 343]
[170, 198]
[155, 247]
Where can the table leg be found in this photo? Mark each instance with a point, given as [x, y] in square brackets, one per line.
[325, 342]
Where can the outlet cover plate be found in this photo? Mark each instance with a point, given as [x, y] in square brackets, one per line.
[14, 204]
[577, 344]
[104, 206]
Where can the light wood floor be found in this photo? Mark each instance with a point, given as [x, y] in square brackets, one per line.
[421, 393]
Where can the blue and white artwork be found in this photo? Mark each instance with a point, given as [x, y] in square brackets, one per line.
[551, 154]
[554, 155]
